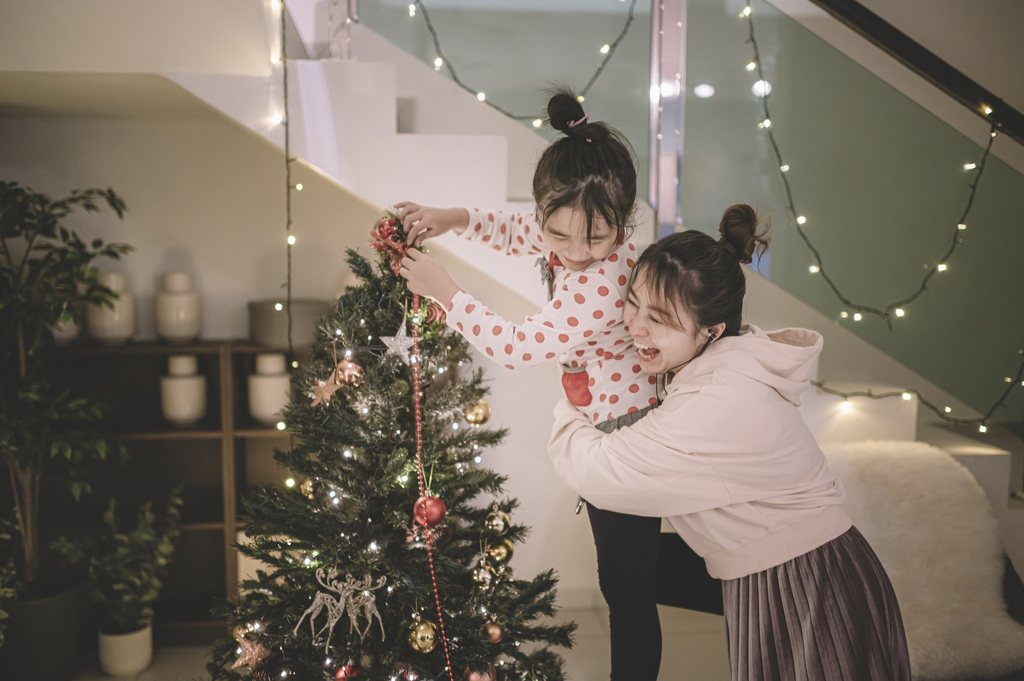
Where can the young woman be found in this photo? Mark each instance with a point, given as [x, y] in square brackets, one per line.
[728, 459]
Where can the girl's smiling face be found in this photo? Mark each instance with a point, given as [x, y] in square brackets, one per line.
[665, 337]
[565, 233]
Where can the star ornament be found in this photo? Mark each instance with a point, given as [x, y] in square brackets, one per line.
[252, 654]
[400, 344]
[322, 391]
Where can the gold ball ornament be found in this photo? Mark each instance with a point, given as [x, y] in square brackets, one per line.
[423, 636]
[494, 632]
[479, 413]
[498, 521]
[307, 488]
[501, 553]
[349, 373]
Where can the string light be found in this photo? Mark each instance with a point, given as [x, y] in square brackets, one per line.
[844, 314]
[899, 312]
[537, 122]
[941, 267]
[481, 96]
[961, 223]
[970, 166]
[604, 50]
[280, 425]
[291, 239]
[941, 413]
[298, 187]
[814, 269]
[278, 306]
[418, 4]
[801, 220]
[290, 482]
[988, 110]
[907, 396]
[857, 316]
[276, 119]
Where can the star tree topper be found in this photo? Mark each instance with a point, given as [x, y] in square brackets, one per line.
[400, 344]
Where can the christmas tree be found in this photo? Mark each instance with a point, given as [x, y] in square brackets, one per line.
[390, 559]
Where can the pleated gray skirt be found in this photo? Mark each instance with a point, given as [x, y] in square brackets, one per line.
[830, 614]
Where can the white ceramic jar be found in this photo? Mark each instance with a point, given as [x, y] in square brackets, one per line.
[64, 332]
[126, 654]
[179, 311]
[269, 388]
[183, 391]
[112, 325]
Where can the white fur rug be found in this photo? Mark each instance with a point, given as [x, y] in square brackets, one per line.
[935, 533]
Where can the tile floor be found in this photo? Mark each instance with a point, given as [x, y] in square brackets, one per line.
[693, 648]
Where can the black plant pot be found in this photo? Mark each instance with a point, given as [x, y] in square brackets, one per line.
[43, 638]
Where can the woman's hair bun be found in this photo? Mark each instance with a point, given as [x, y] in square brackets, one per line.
[740, 235]
[566, 114]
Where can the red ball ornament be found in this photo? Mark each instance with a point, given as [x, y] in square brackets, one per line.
[429, 511]
[349, 671]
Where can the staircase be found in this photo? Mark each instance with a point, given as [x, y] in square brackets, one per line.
[384, 127]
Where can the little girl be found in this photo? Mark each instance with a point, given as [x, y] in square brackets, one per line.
[585, 190]
[729, 460]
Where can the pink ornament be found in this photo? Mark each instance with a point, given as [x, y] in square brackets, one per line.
[429, 511]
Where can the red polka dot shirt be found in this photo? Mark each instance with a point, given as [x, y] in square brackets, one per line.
[581, 326]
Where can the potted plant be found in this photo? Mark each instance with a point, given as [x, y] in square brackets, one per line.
[46, 275]
[8, 575]
[125, 572]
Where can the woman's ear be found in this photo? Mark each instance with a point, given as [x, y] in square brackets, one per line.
[716, 331]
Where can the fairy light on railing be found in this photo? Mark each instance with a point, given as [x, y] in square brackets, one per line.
[607, 50]
[944, 412]
[895, 309]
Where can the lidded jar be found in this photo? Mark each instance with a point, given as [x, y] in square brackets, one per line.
[116, 324]
[183, 391]
[269, 388]
[179, 310]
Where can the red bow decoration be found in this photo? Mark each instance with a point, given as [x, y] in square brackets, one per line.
[435, 313]
[388, 238]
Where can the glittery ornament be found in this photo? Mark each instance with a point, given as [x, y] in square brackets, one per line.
[354, 597]
[428, 511]
[349, 373]
[252, 653]
[494, 632]
[484, 576]
[498, 521]
[479, 413]
[423, 636]
[400, 344]
[501, 553]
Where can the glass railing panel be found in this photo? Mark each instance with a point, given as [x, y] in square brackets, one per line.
[513, 50]
[881, 182]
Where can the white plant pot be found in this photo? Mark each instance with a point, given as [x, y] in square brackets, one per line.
[179, 311]
[65, 332]
[183, 399]
[126, 654]
[112, 326]
[269, 389]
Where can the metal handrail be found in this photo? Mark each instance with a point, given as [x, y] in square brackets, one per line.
[920, 60]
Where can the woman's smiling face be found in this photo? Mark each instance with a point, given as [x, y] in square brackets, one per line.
[565, 233]
[665, 338]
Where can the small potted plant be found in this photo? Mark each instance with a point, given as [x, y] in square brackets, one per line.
[125, 571]
[8, 575]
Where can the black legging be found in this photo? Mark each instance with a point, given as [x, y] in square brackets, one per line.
[634, 578]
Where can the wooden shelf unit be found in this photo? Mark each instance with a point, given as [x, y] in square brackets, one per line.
[209, 460]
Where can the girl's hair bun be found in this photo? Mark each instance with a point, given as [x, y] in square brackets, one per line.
[566, 114]
[740, 235]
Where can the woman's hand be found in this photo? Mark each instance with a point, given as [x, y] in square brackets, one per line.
[427, 278]
[424, 222]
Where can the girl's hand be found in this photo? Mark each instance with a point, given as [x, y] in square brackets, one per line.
[424, 222]
[427, 278]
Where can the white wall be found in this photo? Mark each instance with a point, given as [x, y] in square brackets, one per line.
[117, 36]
